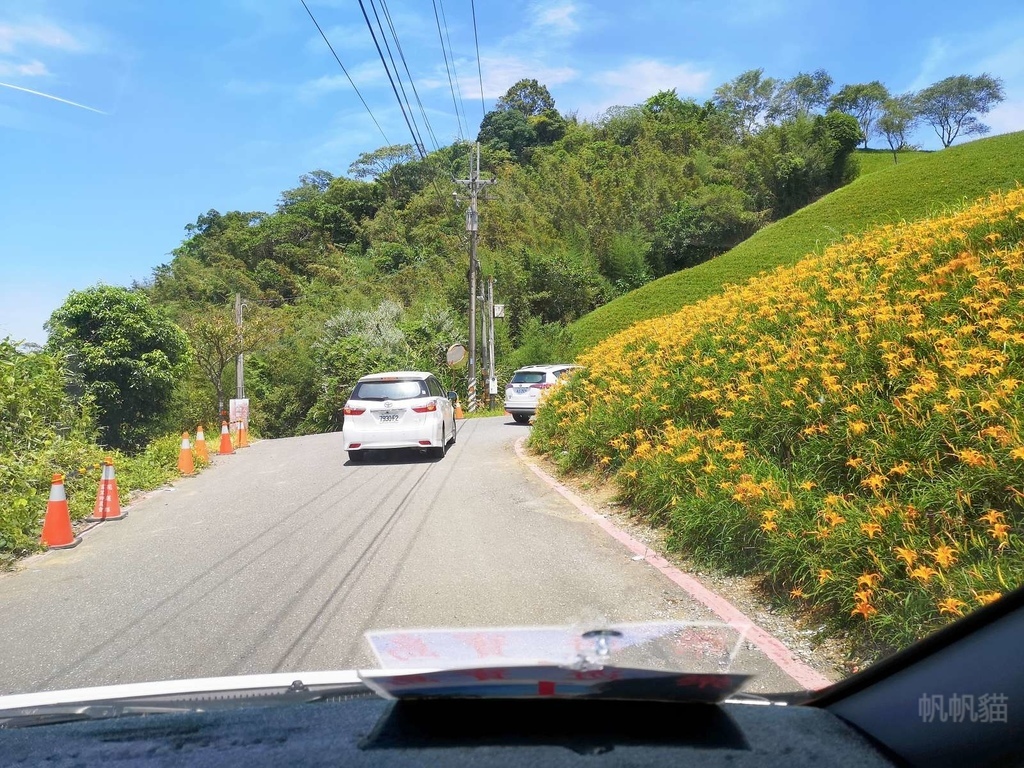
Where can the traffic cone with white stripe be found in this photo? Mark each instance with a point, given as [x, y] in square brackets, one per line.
[243, 435]
[225, 440]
[108, 502]
[186, 465]
[201, 450]
[57, 533]
[458, 410]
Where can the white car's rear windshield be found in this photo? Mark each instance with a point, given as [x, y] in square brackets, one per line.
[528, 377]
[401, 389]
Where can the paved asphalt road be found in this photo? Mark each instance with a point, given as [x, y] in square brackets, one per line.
[279, 558]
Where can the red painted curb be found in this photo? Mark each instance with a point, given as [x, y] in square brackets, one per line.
[770, 646]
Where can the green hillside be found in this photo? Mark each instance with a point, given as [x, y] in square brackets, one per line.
[906, 191]
[871, 160]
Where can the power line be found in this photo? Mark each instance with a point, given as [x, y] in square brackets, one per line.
[369, 25]
[317, 25]
[480, 72]
[412, 84]
[394, 68]
[451, 84]
[451, 50]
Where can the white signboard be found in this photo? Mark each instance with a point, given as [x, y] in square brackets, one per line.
[499, 310]
[238, 412]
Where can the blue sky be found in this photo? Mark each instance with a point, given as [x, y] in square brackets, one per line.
[224, 103]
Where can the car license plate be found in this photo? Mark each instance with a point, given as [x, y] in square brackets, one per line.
[521, 390]
[388, 416]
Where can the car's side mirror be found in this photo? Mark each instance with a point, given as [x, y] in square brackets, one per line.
[453, 396]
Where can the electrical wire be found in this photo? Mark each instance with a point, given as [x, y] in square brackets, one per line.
[415, 137]
[451, 83]
[420, 145]
[455, 73]
[405, 64]
[331, 47]
[479, 70]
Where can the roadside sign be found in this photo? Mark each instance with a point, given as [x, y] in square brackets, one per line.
[456, 355]
[238, 410]
[499, 310]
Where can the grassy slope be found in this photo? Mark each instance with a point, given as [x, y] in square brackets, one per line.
[888, 194]
[872, 160]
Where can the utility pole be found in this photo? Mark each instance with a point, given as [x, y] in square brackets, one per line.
[474, 184]
[239, 363]
[492, 381]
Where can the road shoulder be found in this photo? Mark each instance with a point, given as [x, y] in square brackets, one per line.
[799, 647]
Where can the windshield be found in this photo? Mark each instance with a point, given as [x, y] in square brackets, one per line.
[405, 389]
[528, 377]
[771, 258]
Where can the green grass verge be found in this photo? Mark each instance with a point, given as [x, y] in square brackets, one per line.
[901, 192]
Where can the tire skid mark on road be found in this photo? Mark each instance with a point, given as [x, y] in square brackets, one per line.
[125, 636]
[351, 577]
[389, 583]
[275, 621]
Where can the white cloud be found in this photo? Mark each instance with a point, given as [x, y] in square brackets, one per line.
[45, 34]
[642, 78]
[502, 71]
[559, 19]
[1007, 117]
[935, 62]
[33, 68]
[363, 75]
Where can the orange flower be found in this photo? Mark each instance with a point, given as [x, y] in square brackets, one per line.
[858, 427]
[999, 531]
[864, 609]
[923, 573]
[824, 575]
[863, 596]
[944, 555]
[908, 555]
[987, 597]
[992, 517]
[868, 579]
[797, 593]
[871, 529]
[953, 606]
[875, 482]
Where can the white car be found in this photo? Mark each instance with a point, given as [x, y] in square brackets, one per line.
[400, 409]
[524, 389]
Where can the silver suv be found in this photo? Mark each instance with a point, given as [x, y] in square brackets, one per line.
[524, 389]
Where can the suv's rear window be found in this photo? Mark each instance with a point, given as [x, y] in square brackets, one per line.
[403, 389]
[528, 377]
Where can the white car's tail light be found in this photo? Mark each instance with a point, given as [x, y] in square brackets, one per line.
[351, 410]
[428, 408]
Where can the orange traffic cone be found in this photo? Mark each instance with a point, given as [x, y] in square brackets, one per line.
[225, 439]
[108, 502]
[201, 450]
[185, 463]
[458, 410]
[243, 435]
[57, 533]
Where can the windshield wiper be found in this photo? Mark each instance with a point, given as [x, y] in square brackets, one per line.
[179, 703]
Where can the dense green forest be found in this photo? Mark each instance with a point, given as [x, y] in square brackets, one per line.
[368, 270]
